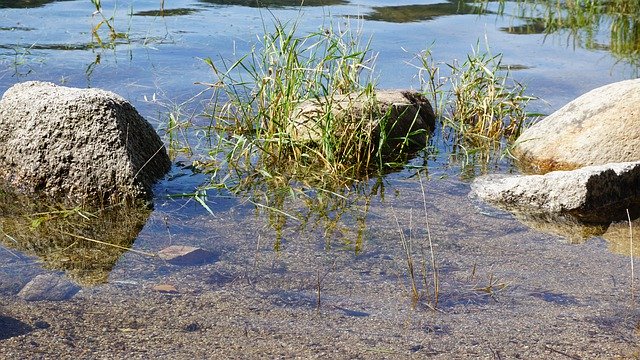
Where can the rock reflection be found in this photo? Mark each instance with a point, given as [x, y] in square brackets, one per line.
[276, 3]
[622, 237]
[413, 13]
[18, 4]
[85, 245]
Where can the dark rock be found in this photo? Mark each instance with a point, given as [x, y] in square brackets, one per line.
[81, 146]
[50, 287]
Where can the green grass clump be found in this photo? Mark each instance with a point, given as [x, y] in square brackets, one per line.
[258, 99]
[482, 108]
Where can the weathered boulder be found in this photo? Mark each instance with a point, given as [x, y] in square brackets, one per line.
[79, 146]
[597, 194]
[404, 117]
[599, 127]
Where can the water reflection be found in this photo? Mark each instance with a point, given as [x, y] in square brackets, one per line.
[413, 13]
[167, 12]
[276, 3]
[19, 4]
[586, 22]
[622, 237]
[86, 245]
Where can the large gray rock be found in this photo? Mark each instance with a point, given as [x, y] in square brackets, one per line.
[400, 114]
[599, 127]
[80, 146]
[597, 194]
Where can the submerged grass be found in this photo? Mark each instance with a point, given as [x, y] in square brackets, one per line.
[425, 280]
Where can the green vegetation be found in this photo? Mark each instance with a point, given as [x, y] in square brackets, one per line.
[109, 23]
[258, 99]
[482, 108]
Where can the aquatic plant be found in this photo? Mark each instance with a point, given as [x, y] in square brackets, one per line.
[258, 101]
[109, 22]
[482, 108]
[423, 286]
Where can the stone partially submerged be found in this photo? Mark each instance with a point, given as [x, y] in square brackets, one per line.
[78, 146]
[404, 117]
[597, 194]
[599, 127]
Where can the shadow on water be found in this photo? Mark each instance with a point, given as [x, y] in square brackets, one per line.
[86, 245]
[276, 3]
[20, 4]
[413, 13]
[10, 327]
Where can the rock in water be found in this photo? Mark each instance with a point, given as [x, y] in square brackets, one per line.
[50, 287]
[79, 146]
[186, 255]
[596, 194]
[599, 127]
[405, 117]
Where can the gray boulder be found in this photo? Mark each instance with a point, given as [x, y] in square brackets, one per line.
[79, 146]
[403, 116]
[599, 127]
[597, 194]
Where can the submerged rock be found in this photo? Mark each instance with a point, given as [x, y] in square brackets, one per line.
[599, 127]
[186, 255]
[50, 287]
[404, 117]
[597, 194]
[80, 146]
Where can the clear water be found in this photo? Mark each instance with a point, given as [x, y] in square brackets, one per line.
[160, 65]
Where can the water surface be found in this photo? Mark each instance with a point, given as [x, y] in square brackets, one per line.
[158, 66]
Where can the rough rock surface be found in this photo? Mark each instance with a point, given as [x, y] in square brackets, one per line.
[409, 115]
[77, 145]
[50, 287]
[592, 193]
[599, 127]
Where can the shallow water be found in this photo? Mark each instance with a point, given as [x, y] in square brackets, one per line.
[159, 66]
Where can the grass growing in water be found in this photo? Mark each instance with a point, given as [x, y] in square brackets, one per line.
[258, 98]
[109, 23]
[482, 108]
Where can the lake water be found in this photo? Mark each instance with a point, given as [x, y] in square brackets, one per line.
[159, 66]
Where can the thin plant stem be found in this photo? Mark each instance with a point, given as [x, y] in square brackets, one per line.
[631, 256]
